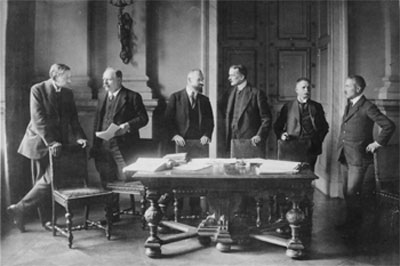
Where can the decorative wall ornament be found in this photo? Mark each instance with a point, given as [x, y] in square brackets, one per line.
[126, 34]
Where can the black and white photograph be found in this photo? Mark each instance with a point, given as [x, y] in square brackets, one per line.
[199, 132]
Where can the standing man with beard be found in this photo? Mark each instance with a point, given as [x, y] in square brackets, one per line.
[124, 108]
[303, 121]
[189, 116]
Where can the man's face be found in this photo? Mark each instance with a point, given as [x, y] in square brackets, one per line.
[110, 81]
[235, 77]
[196, 81]
[303, 90]
[63, 79]
[351, 89]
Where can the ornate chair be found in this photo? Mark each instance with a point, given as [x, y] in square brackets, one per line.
[70, 189]
[145, 148]
[242, 148]
[291, 151]
[386, 163]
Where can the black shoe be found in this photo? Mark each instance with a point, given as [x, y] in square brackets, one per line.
[48, 226]
[17, 217]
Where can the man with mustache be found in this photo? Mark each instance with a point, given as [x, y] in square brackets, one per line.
[124, 108]
[303, 120]
[53, 118]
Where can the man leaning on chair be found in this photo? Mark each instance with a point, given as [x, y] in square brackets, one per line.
[53, 111]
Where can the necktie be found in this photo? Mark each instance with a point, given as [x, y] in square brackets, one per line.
[192, 100]
[111, 97]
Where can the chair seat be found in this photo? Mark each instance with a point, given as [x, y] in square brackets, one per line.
[128, 186]
[76, 193]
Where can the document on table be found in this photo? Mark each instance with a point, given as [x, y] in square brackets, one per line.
[147, 165]
[108, 133]
[193, 166]
[278, 166]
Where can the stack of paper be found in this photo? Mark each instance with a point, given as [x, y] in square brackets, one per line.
[277, 166]
[193, 166]
[148, 165]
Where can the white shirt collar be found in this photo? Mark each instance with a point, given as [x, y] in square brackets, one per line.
[57, 89]
[301, 100]
[356, 99]
[242, 85]
[114, 94]
[190, 90]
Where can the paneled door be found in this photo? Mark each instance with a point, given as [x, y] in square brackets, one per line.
[276, 41]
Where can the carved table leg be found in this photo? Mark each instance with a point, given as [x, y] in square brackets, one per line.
[153, 216]
[295, 216]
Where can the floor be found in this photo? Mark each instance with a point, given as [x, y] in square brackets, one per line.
[39, 247]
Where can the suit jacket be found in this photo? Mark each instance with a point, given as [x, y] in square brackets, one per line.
[177, 114]
[356, 131]
[254, 114]
[130, 108]
[289, 121]
[50, 121]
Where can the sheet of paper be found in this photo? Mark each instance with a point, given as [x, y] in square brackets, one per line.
[278, 166]
[109, 133]
[147, 165]
[193, 166]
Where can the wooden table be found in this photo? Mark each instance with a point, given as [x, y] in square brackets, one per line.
[225, 185]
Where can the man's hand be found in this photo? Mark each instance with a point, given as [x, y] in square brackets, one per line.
[123, 129]
[179, 140]
[255, 140]
[204, 140]
[284, 136]
[55, 149]
[372, 147]
[82, 142]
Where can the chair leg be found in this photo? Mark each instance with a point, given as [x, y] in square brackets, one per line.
[143, 209]
[87, 209]
[68, 218]
[53, 217]
[132, 199]
[109, 216]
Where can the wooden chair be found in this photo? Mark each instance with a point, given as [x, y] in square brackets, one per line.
[145, 148]
[242, 148]
[193, 148]
[386, 163]
[292, 151]
[70, 189]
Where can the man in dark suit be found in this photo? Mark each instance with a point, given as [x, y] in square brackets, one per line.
[189, 116]
[247, 115]
[124, 108]
[303, 121]
[356, 147]
[53, 111]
